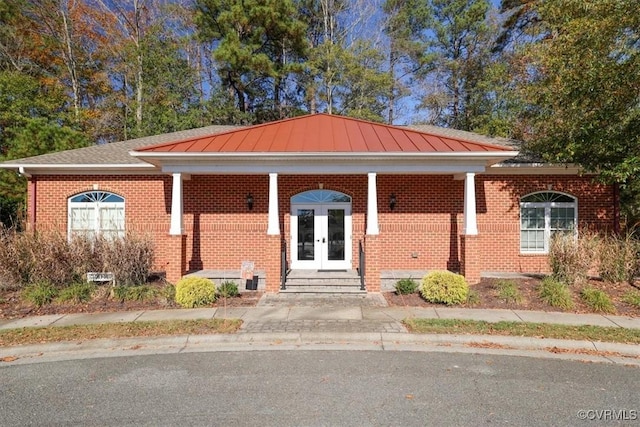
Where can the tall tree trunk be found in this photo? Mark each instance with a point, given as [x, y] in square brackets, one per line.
[139, 70]
[70, 61]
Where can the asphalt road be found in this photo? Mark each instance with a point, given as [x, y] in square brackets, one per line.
[319, 388]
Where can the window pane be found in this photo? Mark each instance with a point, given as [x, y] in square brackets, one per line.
[306, 236]
[83, 219]
[532, 218]
[111, 219]
[562, 218]
[532, 241]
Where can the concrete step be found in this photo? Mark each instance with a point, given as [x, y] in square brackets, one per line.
[311, 289]
[323, 282]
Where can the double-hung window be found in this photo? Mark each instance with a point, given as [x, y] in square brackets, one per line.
[94, 213]
[542, 215]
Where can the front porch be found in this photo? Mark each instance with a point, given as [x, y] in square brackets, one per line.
[320, 185]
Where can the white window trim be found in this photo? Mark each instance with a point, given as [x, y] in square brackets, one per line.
[547, 219]
[97, 206]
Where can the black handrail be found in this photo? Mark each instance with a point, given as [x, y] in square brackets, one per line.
[283, 266]
[361, 265]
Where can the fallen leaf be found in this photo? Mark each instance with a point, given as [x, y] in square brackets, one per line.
[9, 359]
[409, 396]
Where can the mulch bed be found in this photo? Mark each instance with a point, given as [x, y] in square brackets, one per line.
[528, 288]
[12, 307]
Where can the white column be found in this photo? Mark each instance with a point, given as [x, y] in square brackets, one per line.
[176, 228]
[470, 222]
[274, 222]
[372, 206]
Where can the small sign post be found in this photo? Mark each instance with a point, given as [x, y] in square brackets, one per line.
[95, 276]
[246, 273]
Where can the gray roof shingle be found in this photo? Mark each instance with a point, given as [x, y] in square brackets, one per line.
[117, 153]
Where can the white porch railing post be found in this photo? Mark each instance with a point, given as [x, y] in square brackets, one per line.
[273, 227]
[470, 221]
[176, 228]
[372, 206]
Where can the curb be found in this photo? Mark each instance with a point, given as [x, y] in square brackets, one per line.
[613, 353]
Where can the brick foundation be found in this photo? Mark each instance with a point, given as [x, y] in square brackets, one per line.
[471, 260]
[176, 266]
[373, 260]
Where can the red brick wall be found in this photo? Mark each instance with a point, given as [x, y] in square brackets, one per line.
[422, 232]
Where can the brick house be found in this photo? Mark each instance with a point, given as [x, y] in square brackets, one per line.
[322, 193]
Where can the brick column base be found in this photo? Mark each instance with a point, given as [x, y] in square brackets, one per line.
[373, 254]
[272, 264]
[471, 259]
[176, 268]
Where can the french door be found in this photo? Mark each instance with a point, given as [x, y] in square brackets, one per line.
[321, 236]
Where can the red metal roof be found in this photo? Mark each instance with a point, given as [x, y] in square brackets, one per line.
[318, 133]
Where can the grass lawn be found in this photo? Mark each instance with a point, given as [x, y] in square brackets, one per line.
[118, 330]
[523, 329]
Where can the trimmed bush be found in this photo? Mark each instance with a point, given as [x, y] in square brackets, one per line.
[228, 289]
[40, 294]
[195, 292]
[598, 300]
[571, 257]
[555, 293]
[406, 286]
[444, 287]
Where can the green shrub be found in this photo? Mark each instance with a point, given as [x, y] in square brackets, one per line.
[133, 293]
[571, 258]
[406, 286]
[40, 293]
[619, 258]
[473, 298]
[77, 293]
[228, 289]
[141, 293]
[632, 297]
[168, 292]
[598, 300]
[195, 292]
[444, 287]
[555, 293]
[508, 291]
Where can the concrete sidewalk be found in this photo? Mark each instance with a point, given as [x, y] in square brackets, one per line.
[358, 314]
[362, 322]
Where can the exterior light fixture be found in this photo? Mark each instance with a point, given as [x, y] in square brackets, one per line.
[392, 201]
[250, 201]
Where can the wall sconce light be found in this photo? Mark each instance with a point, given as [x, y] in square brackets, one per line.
[392, 201]
[250, 201]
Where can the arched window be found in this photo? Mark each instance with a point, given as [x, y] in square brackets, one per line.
[95, 213]
[321, 196]
[543, 214]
